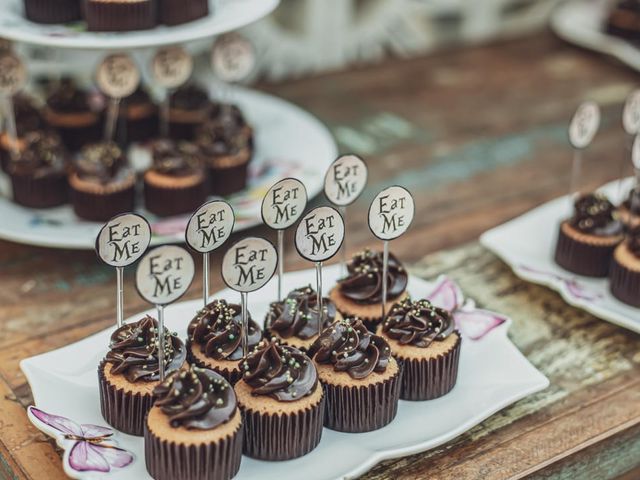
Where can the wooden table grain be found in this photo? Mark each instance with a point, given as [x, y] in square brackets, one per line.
[479, 136]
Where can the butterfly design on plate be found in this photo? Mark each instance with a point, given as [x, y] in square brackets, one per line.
[88, 449]
[473, 322]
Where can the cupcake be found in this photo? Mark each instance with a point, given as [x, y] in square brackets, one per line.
[102, 184]
[215, 339]
[624, 20]
[361, 379]
[70, 111]
[625, 269]
[176, 182]
[359, 294]
[129, 373]
[194, 430]
[120, 15]
[424, 341]
[281, 401]
[39, 174]
[137, 118]
[629, 211]
[587, 240]
[52, 11]
[188, 108]
[294, 320]
[28, 119]
[175, 12]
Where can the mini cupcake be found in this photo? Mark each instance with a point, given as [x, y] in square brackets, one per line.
[120, 15]
[102, 183]
[424, 341]
[625, 269]
[281, 401]
[175, 12]
[189, 108]
[130, 372]
[28, 119]
[294, 320]
[629, 211]
[39, 173]
[587, 240]
[49, 11]
[361, 379]
[137, 118]
[194, 430]
[360, 293]
[176, 182]
[215, 339]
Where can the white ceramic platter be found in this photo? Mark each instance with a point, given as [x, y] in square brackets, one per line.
[527, 245]
[225, 15]
[289, 143]
[492, 374]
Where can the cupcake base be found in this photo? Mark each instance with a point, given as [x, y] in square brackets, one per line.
[120, 15]
[229, 369]
[176, 12]
[90, 203]
[625, 276]
[41, 192]
[50, 12]
[166, 195]
[229, 174]
[370, 314]
[75, 129]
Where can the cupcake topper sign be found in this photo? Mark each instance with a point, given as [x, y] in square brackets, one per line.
[319, 236]
[282, 206]
[120, 242]
[246, 267]
[635, 156]
[171, 68]
[208, 228]
[631, 113]
[582, 129]
[232, 57]
[13, 77]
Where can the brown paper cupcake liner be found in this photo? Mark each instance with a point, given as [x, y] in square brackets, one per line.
[231, 375]
[50, 11]
[114, 15]
[624, 283]
[175, 12]
[41, 192]
[131, 130]
[426, 379]
[101, 207]
[225, 181]
[282, 436]
[165, 202]
[124, 411]
[583, 258]
[166, 460]
[357, 409]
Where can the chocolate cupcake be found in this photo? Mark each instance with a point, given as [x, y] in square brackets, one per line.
[175, 12]
[361, 379]
[102, 184]
[625, 269]
[624, 20]
[176, 182]
[629, 211]
[424, 341]
[586, 241]
[360, 293]
[39, 173]
[28, 119]
[282, 403]
[137, 118]
[52, 11]
[194, 430]
[215, 339]
[120, 15]
[294, 320]
[130, 372]
[189, 108]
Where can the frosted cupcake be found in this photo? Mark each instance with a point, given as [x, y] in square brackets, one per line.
[625, 269]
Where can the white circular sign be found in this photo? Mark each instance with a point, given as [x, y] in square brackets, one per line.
[249, 264]
[118, 76]
[391, 213]
[123, 239]
[164, 274]
[233, 57]
[13, 74]
[345, 180]
[631, 113]
[320, 234]
[584, 124]
[172, 67]
[635, 152]
[284, 203]
[210, 226]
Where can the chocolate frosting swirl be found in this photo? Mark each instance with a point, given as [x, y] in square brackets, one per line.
[189, 97]
[633, 241]
[418, 323]
[364, 281]
[594, 214]
[351, 348]
[43, 153]
[28, 117]
[176, 158]
[217, 328]
[101, 162]
[227, 115]
[68, 98]
[198, 399]
[217, 139]
[280, 372]
[134, 351]
[297, 315]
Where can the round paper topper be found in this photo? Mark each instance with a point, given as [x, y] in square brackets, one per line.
[320, 234]
[232, 57]
[210, 226]
[391, 213]
[118, 76]
[249, 264]
[284, 203]
[13, 74]
[172, 67]
[631, 113]
[584, 124]
[635, 153]
[164, 274]
[345, 180]
[123, 239]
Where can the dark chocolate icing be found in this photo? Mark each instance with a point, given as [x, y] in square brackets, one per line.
[42, 153]
[364, 281]
[134, 351]
[218, 139]
[101, 162]
[351, 348]
[68, 98]
[279, 371]
[176, 158]
[633, 241]
[595, 215]
[227, 115]
[28, 117]
[418, 323]
[196, 399]
[190, 97]
[632, 203]
[217, 328]
[297, 315]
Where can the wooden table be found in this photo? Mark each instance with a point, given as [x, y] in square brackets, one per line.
[479, 136]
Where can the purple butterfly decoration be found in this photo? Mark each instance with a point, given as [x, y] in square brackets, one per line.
[575, 288]
[87, 448]
[472, 322]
